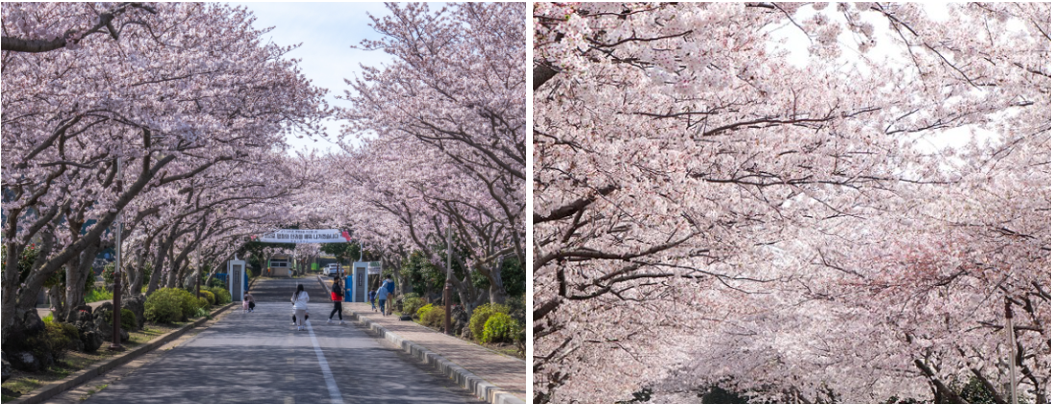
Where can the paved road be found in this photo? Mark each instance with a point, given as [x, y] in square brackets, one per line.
[260, 358]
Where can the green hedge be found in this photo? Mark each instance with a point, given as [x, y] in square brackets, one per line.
[499, 328]
[481, 314]
[209, 296]
[168, 305]
[411, 302]
[423, 310]
[188, 303]
[222, 295]
[164, 306]
[128, 322]
[433, 316]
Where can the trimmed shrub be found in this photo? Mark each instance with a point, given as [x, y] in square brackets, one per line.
[411, 302]
[499, 328]
[187, 303]
[481, 314]
[433, 317]
[164, 306]
[423, 310]
[222, 296]
[202, 303]
[128, 322]
[209, 296]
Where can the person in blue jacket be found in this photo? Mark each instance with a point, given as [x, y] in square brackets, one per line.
[373, 299]
[389, 286]
[382, 296]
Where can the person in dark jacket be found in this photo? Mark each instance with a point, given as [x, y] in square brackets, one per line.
[337, 295]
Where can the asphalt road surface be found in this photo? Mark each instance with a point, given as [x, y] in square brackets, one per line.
[259, 357]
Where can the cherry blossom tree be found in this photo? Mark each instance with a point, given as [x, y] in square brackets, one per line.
[435, 143]
[708, 212]
[456, 87]
[170, 100]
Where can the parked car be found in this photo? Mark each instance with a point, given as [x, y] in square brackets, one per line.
[331, 270]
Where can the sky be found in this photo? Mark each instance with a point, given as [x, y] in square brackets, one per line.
[326, 31]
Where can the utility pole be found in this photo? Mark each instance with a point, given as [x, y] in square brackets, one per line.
[115, 343]
[446, 289]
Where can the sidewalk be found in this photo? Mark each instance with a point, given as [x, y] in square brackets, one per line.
[506, 373]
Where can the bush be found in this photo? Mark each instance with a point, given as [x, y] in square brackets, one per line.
[423, 310]
[209, 296]
[499, 328]
[164, 306]
[433, 317]
[222, 296]
[411, 302]
[202, 303]
[53, 341]
[187, 303]
[481, 314]
[128, 322]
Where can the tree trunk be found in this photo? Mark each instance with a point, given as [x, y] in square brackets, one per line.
[158, 265]
[27, 300]
[58, 308]
[76, 275]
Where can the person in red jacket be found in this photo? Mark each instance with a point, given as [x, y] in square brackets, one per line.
[337, 294]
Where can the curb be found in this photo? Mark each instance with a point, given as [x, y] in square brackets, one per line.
[472, 382]
[48, 391]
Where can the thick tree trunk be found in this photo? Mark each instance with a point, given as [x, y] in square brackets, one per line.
[9, 299]
[138, 274]
[76, 275]
[158, 265]
[27, 300]
[498, 294]
[58, 308]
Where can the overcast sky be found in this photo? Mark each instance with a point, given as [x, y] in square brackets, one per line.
[326, 32]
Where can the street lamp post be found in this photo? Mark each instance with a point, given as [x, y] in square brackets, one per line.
[115, 343]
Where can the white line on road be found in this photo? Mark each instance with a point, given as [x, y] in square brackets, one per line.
[334, 392]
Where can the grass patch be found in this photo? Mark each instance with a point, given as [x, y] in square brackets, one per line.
[72, 362]
[98, 295]
[22, 384]
[5, 398]
[145, 335]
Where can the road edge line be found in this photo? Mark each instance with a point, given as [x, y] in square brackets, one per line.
[479, 387]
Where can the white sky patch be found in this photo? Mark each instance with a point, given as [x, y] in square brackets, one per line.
[790, 39]
[326, 32]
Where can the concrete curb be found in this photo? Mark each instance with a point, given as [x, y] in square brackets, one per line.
[42, 394]
[478, 386]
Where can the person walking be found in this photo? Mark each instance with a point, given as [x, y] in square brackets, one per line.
[338, 298]
[373, 299]
[251, 301]
[389, 286]
[382, 296]
[300, 299]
